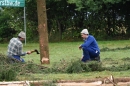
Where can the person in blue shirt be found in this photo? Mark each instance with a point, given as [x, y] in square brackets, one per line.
[90, 47]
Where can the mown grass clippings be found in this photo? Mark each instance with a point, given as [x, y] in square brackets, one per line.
[110, 61]
[74, 67]
[109, 49]
[9, 71]
[126, 59]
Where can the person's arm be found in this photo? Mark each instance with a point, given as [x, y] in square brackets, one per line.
[88, 42]
[20, 52]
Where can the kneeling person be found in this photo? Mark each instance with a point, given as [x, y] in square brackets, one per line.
[15, 47]
[90, 47]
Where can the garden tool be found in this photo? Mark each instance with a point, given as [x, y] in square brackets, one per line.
[37, 52]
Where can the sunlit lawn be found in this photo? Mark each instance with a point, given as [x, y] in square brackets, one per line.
[69, 51]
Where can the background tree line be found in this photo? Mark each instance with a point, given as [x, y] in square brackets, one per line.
[105, 19]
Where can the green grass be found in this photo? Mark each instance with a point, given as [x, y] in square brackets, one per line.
[69, 51]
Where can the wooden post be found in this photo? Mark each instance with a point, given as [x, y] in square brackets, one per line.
[43, 32]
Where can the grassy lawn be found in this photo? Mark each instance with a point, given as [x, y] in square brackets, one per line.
[69, 51]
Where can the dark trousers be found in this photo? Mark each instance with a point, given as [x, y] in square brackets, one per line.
[16, 57]
[89, 54]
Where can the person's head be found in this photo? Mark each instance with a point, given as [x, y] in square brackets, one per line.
[84, 33]
[22, 35]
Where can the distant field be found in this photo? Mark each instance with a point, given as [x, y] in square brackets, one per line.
[69, 51]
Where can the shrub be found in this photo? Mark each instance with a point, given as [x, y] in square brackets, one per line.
[7, 75]
[94, 65]
[75, 67]
[9, 71]
[85, 67]
[3, 59]
[59, 67]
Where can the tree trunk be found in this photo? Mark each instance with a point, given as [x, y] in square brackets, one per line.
[43, 32]
[60, 30]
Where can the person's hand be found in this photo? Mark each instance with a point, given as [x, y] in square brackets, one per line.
[29, 52]
[81, 58]
[80, 47]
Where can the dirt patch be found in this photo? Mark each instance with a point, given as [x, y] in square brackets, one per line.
[93, 84]
[107, 81]
[121, 79]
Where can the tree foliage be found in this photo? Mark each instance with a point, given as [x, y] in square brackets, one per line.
[105, 19]
[5, 30]
[107, 16]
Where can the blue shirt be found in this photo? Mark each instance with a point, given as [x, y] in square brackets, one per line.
[90, 42]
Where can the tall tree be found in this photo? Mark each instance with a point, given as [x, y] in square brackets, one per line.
[43, 32]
